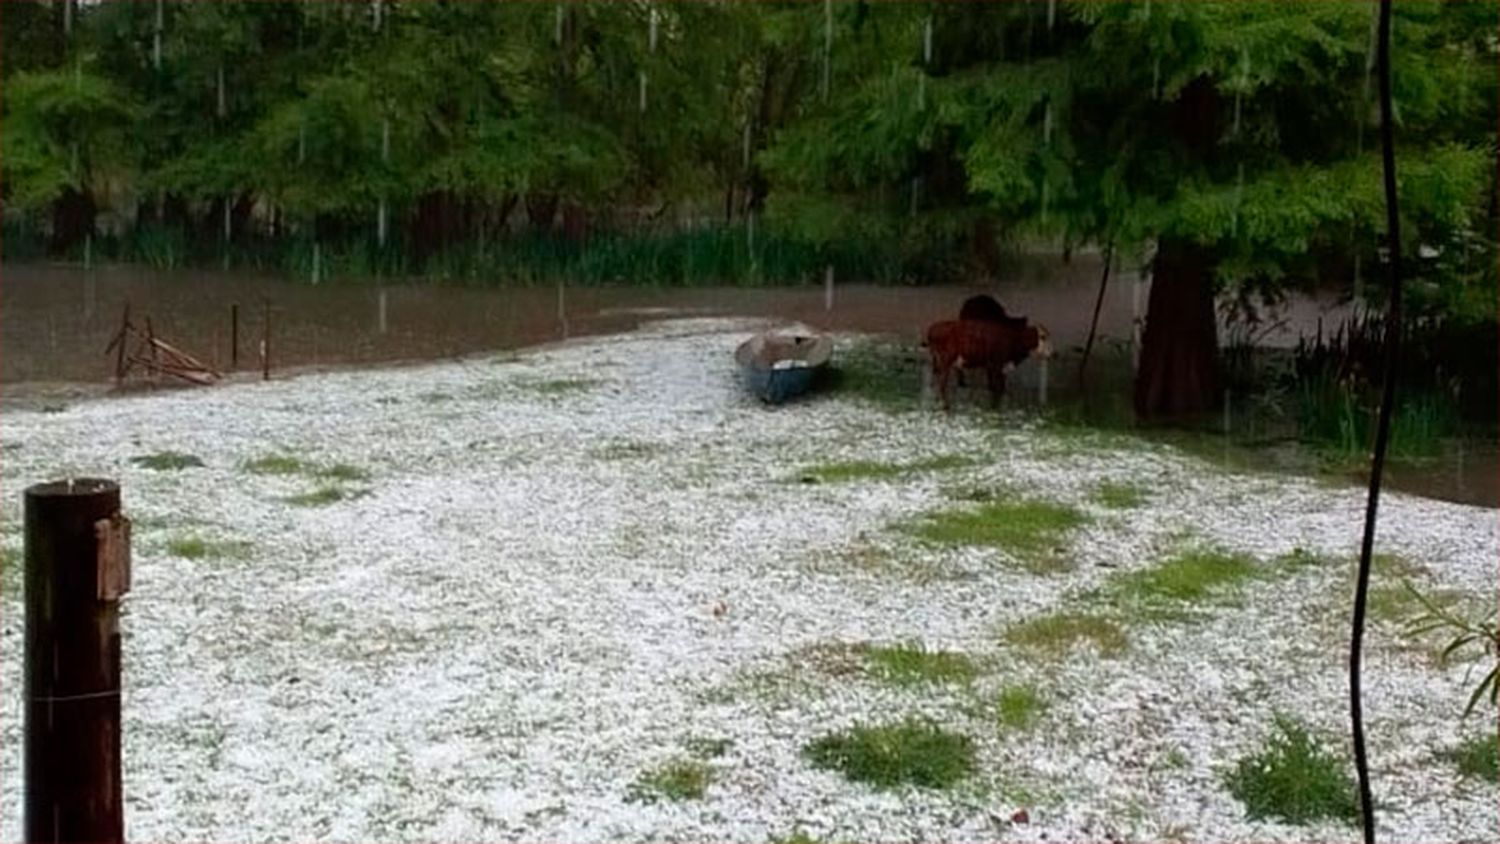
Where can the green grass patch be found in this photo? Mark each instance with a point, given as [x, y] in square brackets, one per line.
[1060, 632]
[1169, 589]
[1397, 604]
[911, 752]
[1119, 496]
[560, 386]
[1478, 757]
[285, 464]
[11, 564]
[624, 451]
[680, 779]
[1035, 533]
[188, 547]
[982, 494]
[911, 664]
[167, 461]
[882, 372]
[324, 495]
[276, 464]
[1394, 567]
[1175, 760]
[343, 472]
[199, 548]
[858, 470]
[1293, 778]
[1390, 599]
[1018, 707]
[1301, 559]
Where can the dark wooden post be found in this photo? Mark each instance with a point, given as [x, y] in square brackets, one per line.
[234, 336]
[265, 345]
[123, 337]
[77, 567]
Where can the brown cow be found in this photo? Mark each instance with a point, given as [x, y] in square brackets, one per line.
[994, 347]
[986, 308]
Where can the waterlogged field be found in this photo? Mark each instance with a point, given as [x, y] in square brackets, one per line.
[592, 592]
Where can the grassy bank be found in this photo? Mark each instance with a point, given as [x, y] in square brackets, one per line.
[709, 256]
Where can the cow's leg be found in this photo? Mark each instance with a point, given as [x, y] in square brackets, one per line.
[997, 384]
[940, 370]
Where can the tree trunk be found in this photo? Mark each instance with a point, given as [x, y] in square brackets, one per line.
[575, 223]
[1196, 115]
[174, 212]
[1179, 372]
[1179, 375]
[502, 216]
[72, 219]
[432, 225]
[242, 211]
[541, 209]
[985, 248]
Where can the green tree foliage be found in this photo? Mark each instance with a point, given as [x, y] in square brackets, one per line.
[1025, 120]
[1071, 131]
[65, 129]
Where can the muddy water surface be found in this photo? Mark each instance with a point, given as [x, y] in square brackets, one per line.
[56, 321]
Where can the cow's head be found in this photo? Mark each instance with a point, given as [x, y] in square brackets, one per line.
[1040, 341]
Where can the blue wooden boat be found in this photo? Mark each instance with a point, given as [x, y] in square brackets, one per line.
[777, 367]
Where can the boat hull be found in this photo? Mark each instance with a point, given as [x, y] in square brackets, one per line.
[775, 386]
[777, 368]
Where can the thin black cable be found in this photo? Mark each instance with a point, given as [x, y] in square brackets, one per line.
[1109, 257]
[1383, 422]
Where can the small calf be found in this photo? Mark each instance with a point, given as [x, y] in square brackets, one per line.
[993, 347]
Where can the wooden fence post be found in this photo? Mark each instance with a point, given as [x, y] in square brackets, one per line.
[234, 336]
[265, 344]
[122, 338]
[77, 568]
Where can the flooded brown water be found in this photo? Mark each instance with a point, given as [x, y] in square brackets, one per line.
[55, 322]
